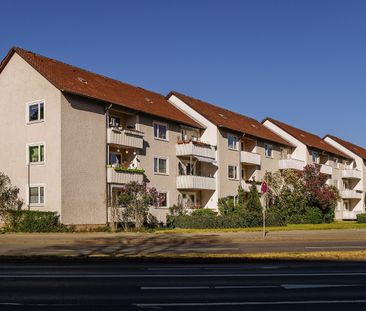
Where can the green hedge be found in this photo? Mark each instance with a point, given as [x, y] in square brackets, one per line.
[32, 221]
[361, 218]
[312, 215]
[243, 220]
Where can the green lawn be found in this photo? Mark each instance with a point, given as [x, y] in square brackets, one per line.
[335, 225]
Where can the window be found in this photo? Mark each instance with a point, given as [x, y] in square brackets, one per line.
[35, 112]
[160, 131]
[36, 195]
[315, 157]
[160, 165]
[335, 183]
[115, 159]
[232, 172]
[335, 162]
[268, 150]
[35, 153]
[163, 199]
[231, 142]
[114, 121]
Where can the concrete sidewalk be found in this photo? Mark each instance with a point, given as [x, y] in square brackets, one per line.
[180, 244]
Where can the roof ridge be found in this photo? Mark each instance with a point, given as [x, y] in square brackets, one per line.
[305, 131]
[222, 108]
[86, 70]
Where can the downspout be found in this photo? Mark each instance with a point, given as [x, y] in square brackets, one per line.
[107, 160]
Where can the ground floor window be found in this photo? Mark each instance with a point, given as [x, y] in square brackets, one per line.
[164, 199]
[36, 195]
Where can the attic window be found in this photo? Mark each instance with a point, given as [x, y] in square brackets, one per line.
[222, 116]
[82, 80]
[148, 100]
[253, 125]
[302, 135]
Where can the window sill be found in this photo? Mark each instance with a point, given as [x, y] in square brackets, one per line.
[163, 174]
[233, 179]
[36, 163]
[37, 205]
[35, 122]
[232, 149]
[161, 139]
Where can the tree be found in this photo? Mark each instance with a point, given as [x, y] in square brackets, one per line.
[254, 203]
[318, 193]
[135, 200]
[241, 195]
[9, 196]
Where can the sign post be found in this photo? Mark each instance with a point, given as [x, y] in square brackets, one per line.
[264, 190]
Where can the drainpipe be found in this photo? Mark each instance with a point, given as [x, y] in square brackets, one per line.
[108, 194]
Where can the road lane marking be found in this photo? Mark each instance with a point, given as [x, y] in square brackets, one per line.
[247, 286]
[246, 303]
[308, 286]
[335, 247]
[172, 287]
[73, 276]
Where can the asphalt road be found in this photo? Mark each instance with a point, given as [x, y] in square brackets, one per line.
[182, 286]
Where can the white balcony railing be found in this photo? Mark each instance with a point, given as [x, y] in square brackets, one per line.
[351, 174]
[128, 138]
[350, 194]
[195, 149]
[293, 164]
[346, 215]
[247, 184]
[250, 158]
[326, 169]
[123, 177]
[196, 182]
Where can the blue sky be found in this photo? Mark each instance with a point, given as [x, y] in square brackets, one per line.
[300, 61]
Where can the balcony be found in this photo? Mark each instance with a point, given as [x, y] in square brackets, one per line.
[196, 182]
[250, 158]
[346, 215]
[292, 164]
[124, 177]
[196, 149]
[126, 137]
[326, 169]
[247, 184]
[350, 194]
[351, 174]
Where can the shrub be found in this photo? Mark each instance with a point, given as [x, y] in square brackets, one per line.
[177, 210]
[274, 219]
[203, 212]
[32, 221]
[309, 215]
[361, 218]
[254, 203]
[244, 219]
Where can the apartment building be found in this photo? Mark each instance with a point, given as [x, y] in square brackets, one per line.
[245, 148]
[72, 138]
[309, 149]
[353, 179]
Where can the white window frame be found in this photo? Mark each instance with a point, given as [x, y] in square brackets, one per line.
[235, 172]
[167, 199]
[317, 157]
[167, 130]
[167, 165]
[44, 195]
[266, 149]
[35, 145]
[236, 142]
[36, 102]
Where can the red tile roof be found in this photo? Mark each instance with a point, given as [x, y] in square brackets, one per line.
[309, 139]
[73, 80]
[230, 120]
[358, 150]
